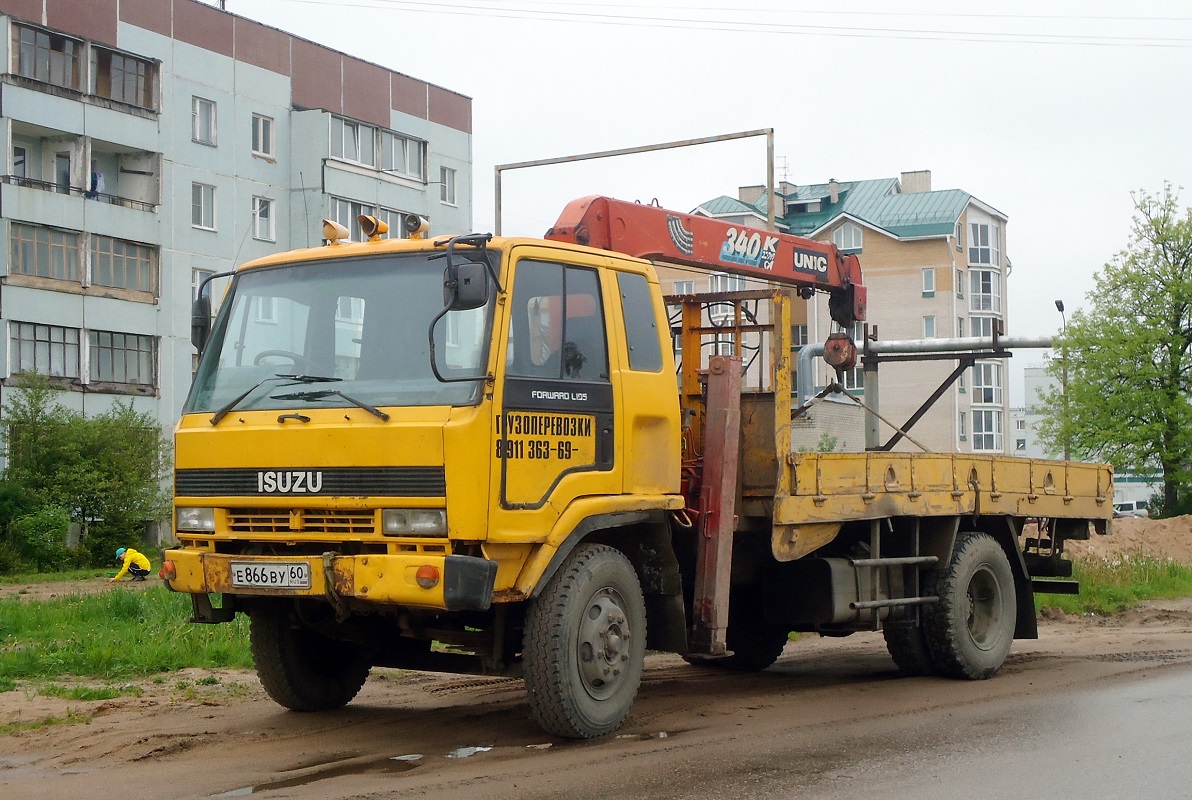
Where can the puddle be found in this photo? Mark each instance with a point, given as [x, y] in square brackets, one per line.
[465, 752]
[643, 737]
[359, 767]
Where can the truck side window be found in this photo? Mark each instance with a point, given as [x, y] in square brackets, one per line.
[641, 328]
[557, 326]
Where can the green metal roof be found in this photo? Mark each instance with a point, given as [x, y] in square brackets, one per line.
[876, 202]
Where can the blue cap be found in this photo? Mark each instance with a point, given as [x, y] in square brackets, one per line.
[120, 552]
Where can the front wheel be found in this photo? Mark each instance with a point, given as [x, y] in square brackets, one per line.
[585, 644]
[301, 669]
[970, 629]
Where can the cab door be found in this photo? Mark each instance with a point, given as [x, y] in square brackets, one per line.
[555, 430]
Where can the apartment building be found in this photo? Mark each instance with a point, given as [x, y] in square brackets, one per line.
[935, 266]
[153, 143]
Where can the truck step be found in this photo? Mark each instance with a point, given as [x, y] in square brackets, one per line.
[1055, 587]
[903, 561]
[857, 605]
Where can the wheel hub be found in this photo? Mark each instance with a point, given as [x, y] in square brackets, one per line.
[983, 609]
[603, 644]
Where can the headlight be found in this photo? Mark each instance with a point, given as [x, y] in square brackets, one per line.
[414, 521]
[198, 520]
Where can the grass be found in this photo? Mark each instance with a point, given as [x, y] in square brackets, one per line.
[47, 577]
[89, 692]
[69, 718]
[114, 635]
[1115, 584]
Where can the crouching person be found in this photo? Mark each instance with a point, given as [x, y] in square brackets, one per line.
[131, 563]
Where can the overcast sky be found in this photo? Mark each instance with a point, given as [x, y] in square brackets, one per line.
[1051, 111]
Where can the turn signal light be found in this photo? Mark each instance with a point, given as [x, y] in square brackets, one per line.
[427, 576]
[168, 571]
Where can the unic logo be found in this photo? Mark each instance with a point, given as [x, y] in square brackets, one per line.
[289, 482]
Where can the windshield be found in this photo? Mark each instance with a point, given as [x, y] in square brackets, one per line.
[361, 324]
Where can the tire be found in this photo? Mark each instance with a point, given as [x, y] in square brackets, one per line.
[303, 670]
[755, 643]
[970, 630]
[908, 647]
[585, 644]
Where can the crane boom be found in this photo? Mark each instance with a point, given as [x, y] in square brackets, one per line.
[673, 237]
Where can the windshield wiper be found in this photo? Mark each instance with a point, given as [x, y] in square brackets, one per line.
[321, 393]
[227, 408]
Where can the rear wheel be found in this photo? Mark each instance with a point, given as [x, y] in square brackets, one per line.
[585, 644]
[908, 648]
[970, 630]
[301, 669]
[754, 642]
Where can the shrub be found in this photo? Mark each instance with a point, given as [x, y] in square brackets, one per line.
[40, 538]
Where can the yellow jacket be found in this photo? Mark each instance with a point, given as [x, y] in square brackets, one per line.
[131, 557]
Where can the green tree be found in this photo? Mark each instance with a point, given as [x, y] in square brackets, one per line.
[1128, 358]
[107, 470]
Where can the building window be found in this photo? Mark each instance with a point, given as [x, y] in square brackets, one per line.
[987, 382]
[43, 252]
[982, 327]
[202, 120]
[1020, 444]
[123, 78]
[960, 326]
[957, 234]
[684, 287]
[19, 156]
[447, 185]
[929, 282]
[350, 309]
[396, 220]
[262, 135]
[960, 283]
[46, 349]
[723, 282]
[854, 379]
[962, 425]
[202, 206]
[1020, 424]
[984, 244]
[722, 345]
[266, 310]
[985, 293]
[929, 327]
[122, 357]
[353, 141]
[403, 155]
[348, 212]
[122, 264]
[47, 57]
[848, 236]
[987, 430]
[960, 381]
[262, 219]
[798, 335]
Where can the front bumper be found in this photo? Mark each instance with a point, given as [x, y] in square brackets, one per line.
[466, 583]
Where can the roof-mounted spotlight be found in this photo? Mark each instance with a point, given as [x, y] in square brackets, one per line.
[373, 228]
[333, 232]
[415, 226]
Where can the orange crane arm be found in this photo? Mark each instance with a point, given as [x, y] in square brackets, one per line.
[705, 243]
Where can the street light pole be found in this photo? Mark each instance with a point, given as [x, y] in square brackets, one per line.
[1059, 306]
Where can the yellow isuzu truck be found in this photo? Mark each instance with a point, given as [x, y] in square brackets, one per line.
[477, 454]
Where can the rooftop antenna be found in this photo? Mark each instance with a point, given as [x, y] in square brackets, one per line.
[784, 171]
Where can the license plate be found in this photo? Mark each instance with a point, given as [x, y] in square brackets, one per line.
[272, 575]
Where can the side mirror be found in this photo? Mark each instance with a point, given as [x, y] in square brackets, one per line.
[465, 286]
[200, 321]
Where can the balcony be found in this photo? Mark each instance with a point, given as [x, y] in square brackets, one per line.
[100, 197]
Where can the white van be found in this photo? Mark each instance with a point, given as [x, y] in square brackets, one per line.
[1131, 508]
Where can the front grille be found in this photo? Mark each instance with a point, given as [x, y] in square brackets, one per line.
[329, 521]
[323, 482]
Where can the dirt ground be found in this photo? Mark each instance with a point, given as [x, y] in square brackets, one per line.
[202, 734]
